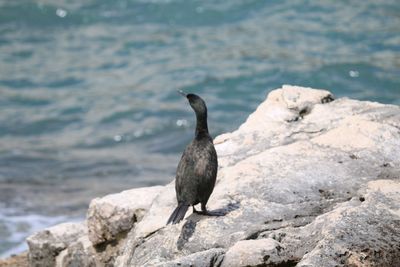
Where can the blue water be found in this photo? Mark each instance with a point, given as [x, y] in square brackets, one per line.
[87, 88]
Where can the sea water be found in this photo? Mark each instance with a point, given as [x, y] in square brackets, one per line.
[88, 102]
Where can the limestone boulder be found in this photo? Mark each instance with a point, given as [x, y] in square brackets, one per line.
[97, 241]
[299, 156]
[112, 215]
[254, 253]
[79, 253]
[363, 231]
[211, 257]
[45, 245]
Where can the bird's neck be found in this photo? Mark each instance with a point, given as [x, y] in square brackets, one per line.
[201, 125]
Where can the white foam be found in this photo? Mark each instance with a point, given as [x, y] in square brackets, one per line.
[20, 226]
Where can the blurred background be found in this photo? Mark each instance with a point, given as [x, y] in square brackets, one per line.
[87, 88]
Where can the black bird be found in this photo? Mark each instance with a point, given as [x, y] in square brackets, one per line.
[197, 169]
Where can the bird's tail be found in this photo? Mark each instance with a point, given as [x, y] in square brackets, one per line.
[178, 213]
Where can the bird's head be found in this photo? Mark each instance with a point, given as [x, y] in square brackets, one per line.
[196, 102]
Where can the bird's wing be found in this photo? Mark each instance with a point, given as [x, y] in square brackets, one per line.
[204, 166]
[184, 174]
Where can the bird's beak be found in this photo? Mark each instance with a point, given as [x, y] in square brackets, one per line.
[182, 93]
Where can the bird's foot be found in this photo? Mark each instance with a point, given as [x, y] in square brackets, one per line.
[210, 213]
[196, 211]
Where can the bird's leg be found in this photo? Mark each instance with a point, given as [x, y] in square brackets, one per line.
[206, 212]
[194, 210]
[203, 208]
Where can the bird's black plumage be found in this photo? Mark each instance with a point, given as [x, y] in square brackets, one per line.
[197, 169]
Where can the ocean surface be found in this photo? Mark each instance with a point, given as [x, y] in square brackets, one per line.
[88, 102]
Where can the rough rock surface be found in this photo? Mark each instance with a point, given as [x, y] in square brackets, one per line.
[111, 215]
[253, 253]
[306, 181]
[80, 253]
[211, 257]
[45, 245]
[297, 157]
[97, 241]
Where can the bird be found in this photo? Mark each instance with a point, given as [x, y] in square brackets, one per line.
[197, 169]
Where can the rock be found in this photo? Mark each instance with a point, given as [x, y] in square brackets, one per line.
[306, 181]
[261, 252]
[155, 219]
[269, 124]
[211, 257]
[111, 215]
[108, 220]
[83, 253]
[45, 245]
[98, 241]
[79, 253]
[361, 232]
[296, 158]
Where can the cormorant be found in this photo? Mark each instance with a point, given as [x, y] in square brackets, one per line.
[197, 169]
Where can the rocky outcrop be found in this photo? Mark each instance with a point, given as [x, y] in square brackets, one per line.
[44, 246]
[265, 251]
[114, 214]
[306, 181]
[97, 241]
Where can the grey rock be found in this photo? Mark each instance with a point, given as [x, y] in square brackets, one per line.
[211, 257]
[83, 253]
[80, 253]
[114, 214]
[254, 253]
[45, 245]
[108, 220]
[363, 231]
[296, 158]
[154, 220]
[97, 241]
